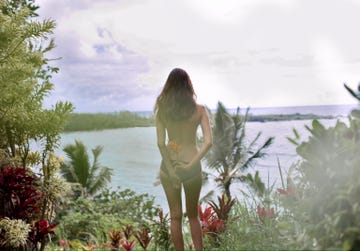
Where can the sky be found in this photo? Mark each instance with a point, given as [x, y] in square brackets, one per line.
[116, 54]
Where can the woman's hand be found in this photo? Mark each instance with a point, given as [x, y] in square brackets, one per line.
[181, 166]
[181, 169]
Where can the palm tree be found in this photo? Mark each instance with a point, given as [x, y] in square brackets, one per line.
[230, 156]
[92, 177]
[355, 94]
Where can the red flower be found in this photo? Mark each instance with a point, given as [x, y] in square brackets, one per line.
[63, 243]
[143, 237]
[128, 231]
[215, 226]
[290, 188]
[40, 230]
[115, 237]
[210, 224]
[128, 246]
[20, 193]
[263, 213]
[206, 215]
[44, 227]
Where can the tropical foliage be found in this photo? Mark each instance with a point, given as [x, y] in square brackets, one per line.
[21, 198]
[355, 94]
[25, 80]
[92, 177]
[328, 186]
[231, 155]
[91, 219]
[316, 208]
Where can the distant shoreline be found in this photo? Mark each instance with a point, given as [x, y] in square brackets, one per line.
[287, 117]
[102, 121]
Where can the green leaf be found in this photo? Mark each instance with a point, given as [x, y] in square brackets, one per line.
[318, 128]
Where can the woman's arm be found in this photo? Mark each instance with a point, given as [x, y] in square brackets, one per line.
[161, 137]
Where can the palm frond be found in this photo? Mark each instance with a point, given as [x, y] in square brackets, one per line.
[258, 154]
[100, 180]
[253, 142]
[355, 95]
[230, 153]
[95, 165]
[68, 172]
[79, 161]
[207, 197]
[78, 169]
[96, 152]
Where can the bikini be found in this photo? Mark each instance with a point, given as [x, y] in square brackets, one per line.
[184, 175]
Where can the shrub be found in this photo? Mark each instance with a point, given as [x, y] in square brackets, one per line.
[161, 231]
[89, 219]
[13, 233]
[21, 223]
[328, 186]
[19, 195]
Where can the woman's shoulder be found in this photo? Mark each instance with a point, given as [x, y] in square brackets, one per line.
[201, 111]
[200, 108]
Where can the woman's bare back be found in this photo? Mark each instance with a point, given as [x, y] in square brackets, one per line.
[181, 154]
[182, 136]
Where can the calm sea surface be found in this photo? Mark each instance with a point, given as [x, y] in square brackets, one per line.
[133, 153]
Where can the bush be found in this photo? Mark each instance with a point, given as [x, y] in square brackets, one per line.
[21, 224]
[91, 219]
[328, 186]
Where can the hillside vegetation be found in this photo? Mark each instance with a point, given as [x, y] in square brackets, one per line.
[100, 121]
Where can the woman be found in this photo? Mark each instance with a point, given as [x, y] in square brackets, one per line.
[178, 115]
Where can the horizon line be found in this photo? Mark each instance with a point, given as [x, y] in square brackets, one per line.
[233, 108]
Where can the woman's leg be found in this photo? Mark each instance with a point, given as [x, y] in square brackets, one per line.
[173, 196]
[192, 189]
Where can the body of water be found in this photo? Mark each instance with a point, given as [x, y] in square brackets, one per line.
[324, 110]
[134, 156]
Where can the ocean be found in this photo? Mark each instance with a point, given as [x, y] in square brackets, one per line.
[135, 159]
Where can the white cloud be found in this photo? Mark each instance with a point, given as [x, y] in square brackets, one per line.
[247, 53]
[229, 12]
[333, 71]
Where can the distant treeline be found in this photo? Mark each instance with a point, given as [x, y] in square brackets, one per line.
[283, 117]
[125, 119]
[100, 121]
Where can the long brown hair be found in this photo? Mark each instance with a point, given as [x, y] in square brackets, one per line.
[176, 102]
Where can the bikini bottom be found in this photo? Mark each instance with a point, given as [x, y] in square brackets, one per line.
[183, 174]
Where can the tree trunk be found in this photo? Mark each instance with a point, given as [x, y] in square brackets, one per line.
[10, 141]
[227, 188]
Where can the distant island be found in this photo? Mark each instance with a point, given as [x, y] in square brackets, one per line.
[283, 117]
[126, 119]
